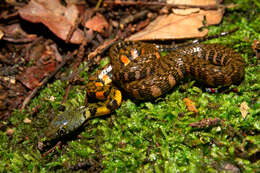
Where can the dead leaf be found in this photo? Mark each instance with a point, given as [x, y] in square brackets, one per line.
[256, 48]
[14, 33]
[32, 77]
[185, 23]
[172, 27]
[57, 18]
[1, 34]
[45, 63]
[9, 132]
[185, 11]
[27, 121]
[213, 17]
[244, 109]
[97, 23]
[190, 105]
[52, 98]
[193, 2]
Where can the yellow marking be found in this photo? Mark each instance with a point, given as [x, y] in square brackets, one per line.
[100, 95]
[125, 60]
[118, 97]
[87, 114]
[106, 79]
[103, 110]
[98, 84]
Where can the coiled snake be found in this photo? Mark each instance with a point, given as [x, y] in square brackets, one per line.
[139, 69]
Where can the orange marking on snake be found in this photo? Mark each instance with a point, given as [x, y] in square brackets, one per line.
[125, 60]
[98, 84]
[100, 95]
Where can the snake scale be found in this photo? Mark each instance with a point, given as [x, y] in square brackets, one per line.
[139, 69]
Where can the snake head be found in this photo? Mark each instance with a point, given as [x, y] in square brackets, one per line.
[66, 122]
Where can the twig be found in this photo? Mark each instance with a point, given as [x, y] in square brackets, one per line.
[90, 164]
[98, 4]
[102, 48]
[206, 123]
[72, 29]
[7, 16]
[52, 149]
[135, 17]
[79, 59]
[209, 7]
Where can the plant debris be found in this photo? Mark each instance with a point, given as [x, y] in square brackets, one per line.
[55, 16]
[190, 105]
[244, 109]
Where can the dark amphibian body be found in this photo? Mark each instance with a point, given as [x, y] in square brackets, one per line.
[139, 69]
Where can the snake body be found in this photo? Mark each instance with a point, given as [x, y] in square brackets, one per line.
[140, 70]
[151, 75]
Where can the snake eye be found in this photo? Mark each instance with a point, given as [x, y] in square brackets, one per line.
[61, 131]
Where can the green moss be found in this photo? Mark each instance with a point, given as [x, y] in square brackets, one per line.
[153, 136]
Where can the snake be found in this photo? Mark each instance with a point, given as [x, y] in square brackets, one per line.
[141, 71]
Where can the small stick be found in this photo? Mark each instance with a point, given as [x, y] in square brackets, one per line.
[52, 149]
[98, 4]
[72, 29]
[135, 17]
[206, 123]
[209, 7]
[78, 60]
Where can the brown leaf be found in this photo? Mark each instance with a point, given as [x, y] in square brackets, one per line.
[185, 11]
[193, 2]
[213, 17]
[190, 105]
[9, 132]
[185, 23]
[172, 27]
[27, 121]
[14, 33]
[44, 65]
[256, 48]
[244, 109]
[1, 34]
[32, 77]
[97, 23]
[57, 18]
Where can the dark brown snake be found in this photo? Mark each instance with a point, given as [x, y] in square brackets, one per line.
[140, 70]
[149, 75]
